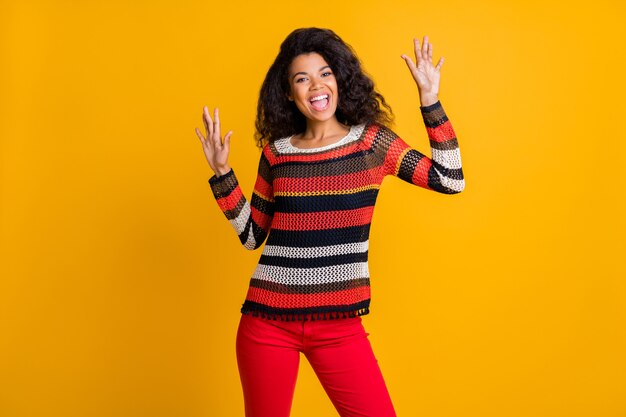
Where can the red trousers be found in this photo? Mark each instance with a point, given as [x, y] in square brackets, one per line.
[268, 356]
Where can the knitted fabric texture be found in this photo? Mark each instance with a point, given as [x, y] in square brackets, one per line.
[315, 208]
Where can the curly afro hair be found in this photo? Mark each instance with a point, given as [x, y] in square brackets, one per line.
[359, 102]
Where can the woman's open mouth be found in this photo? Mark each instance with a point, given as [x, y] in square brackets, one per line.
[320, 103]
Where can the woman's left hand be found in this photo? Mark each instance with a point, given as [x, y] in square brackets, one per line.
[424, 73]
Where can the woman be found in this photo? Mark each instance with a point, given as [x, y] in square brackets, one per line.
[325, 151]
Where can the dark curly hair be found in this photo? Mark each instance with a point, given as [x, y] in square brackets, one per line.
[359, 102]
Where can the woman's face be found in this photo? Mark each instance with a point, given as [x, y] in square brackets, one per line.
[313, 87]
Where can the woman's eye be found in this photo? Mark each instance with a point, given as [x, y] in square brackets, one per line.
[327, 73]
[300, 79]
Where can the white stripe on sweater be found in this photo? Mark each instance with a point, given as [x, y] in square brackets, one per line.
[450, 159]
[239, 223]
[311, 276]
[456, 185]
[316, 251]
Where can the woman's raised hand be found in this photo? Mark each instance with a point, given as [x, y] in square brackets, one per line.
[424, 73]
[215, 151]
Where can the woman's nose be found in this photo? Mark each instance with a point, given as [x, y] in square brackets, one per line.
[316, 84]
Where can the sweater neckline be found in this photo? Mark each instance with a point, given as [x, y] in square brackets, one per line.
[284, 144]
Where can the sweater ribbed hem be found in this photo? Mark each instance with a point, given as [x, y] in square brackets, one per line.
[305, 314]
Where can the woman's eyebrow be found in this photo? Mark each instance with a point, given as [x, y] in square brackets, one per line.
[304, 73]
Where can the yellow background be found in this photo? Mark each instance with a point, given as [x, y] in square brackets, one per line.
[122, 281]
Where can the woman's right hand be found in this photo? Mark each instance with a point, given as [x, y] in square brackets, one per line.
[215, 151]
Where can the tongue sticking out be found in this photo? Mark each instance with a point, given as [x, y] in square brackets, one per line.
[320, 104]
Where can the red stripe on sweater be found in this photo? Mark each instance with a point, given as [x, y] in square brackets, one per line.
[230, 201]
[393, 158]
[321, 220]
[260, 218]
[441, 133]
[264, 189]
[322, 155]
[282, 300]
[328, 183]
[370, 135]
[420, 175]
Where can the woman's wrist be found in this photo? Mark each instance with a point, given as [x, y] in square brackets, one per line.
[221, 171]
[428, 100]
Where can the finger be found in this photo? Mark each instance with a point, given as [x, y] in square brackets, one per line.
[227, 140]
[408, 61]
[418, 52]
[425, 47]
[200, 135]
[208, 123]
[430, 52]
[215, 139]
[440, 63]
[216, 125]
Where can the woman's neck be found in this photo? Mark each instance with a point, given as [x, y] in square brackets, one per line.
[320, 131]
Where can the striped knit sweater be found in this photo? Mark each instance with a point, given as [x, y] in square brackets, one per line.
[315, 207]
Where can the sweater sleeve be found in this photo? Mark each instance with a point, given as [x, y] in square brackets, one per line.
[250, 219]
[443, 173]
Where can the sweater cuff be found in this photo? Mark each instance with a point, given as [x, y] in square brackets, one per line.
[431, 107]
[215, 179]
[223, 185]
[433, 115]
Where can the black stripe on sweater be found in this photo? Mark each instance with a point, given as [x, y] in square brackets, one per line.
[317, 262]
[447, 145]
[408, 164]
[315, 203]
[283, 169]
[434, 182]
[324, 312]
[325, 237]
[454, 173]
